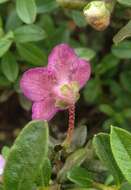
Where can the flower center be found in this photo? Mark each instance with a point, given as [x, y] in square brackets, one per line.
[68, 95]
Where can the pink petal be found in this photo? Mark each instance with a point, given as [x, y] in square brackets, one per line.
[2, 164]
[44, 110]
[37, 83]
[81, 72]
[61, 59]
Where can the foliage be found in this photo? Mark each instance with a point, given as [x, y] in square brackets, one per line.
[29, 29]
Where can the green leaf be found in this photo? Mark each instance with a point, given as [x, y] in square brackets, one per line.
[108, 62]
[92, 91]
[5, 43]
[45, 172]
[123, 33]
[29, 33]
[80, 176]
[125, 186]
[32, 53]
[26, 156]
[4, 81]
[102, 147]
[46, 6]
[122, 50]
[75, 159]
[3, 1]
[26, 10]
[78, 18]
[85, 53]
[121, 147]
[10, 67]
[125, 79]
[107, 109]
[125, 2]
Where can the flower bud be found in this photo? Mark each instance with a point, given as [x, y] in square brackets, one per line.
[97, 15]
[72, 4]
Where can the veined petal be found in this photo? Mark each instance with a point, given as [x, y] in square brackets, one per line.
[44, 110]
[37, 83]
[61, 59]
[80, 72]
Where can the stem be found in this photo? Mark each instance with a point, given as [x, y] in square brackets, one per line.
[72, 4]
[68, 139]
[104, 187]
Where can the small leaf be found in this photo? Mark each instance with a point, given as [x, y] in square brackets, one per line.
[123, 33]
[29, 33]
[80, 176]
[10, 67]
[122, 50]
[32, 53]
[92, 91]
[125, 2]
[5, 43]
[26, 156]
[125, 78]
[107, 109]
[102, 147]
[85, 53]
[3, 1]
[75, 159]
[26, 10]
[78, 18]
[121, 148]
[46, 6]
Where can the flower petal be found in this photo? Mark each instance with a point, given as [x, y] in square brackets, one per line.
[81, 72]
[37, 83]
[2, 164]
[61, 59]
[44, 110]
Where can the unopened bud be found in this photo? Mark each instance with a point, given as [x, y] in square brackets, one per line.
[97, 15]
[72, 4]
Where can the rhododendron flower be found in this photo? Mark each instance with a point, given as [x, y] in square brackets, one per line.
[56, 86]
[2, 164]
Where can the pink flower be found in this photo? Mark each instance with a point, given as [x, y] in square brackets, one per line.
[2, 164]
[56, 86]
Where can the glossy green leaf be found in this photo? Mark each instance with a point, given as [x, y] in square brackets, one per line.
[125, 2]
[85, 53]
[29, 33]
[32, 54]
[26, 156]
[102, 147]
[122, 50]
[26, 10]
[121, 147]
[123, 33]
[5, 43]
[80, 176]
[10, 67]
